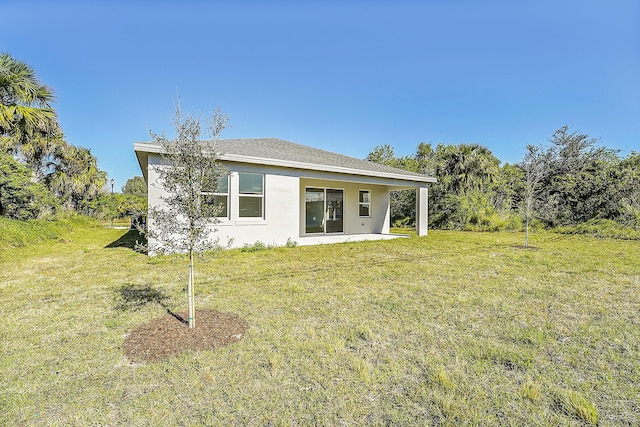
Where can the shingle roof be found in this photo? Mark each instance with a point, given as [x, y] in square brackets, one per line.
[278, 152]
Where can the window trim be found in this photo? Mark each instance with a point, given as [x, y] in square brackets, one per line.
[362, 204]
[261, 196]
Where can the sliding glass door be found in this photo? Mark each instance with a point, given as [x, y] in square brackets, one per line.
[323, 210]
[333, 211]
[314, 210]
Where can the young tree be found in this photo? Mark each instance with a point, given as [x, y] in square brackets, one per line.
[533, 166]
[190, 170]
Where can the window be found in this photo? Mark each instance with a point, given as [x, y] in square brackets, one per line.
[217, 202]
[251, 195]
[364, 203]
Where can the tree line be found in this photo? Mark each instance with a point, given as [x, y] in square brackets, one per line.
[42, 174]
[568, 181]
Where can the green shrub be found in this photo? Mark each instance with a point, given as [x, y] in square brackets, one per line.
[257, 246]
[490, 220]
[291, 243]
[406, 222]
[603, 228]
[20, 197]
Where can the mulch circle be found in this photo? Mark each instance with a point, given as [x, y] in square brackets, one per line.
[170, 336]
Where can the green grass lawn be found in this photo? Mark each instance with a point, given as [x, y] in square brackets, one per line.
[455, 328]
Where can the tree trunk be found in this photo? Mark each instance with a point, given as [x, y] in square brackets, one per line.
[190, 293]
[526, 236]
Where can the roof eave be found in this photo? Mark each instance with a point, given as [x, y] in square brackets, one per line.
[154, 148]
[325, 168]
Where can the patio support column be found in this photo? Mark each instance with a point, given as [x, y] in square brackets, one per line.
[422, 210]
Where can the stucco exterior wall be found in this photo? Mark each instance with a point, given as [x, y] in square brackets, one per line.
[280, 220]
[284, 203]
[377, 222]
[280, 210]
[154, 194]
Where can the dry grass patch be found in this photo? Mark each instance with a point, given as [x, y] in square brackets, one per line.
[455, 328]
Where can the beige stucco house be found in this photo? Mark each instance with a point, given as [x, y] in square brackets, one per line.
[279, 191]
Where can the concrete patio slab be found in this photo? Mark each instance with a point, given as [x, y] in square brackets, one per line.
[342, 238]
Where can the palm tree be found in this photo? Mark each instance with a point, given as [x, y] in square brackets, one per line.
[75, 177]
[467, 167]
[26, 115]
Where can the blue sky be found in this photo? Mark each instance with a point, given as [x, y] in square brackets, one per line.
[343, 76]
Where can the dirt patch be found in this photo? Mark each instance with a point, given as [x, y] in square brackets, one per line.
[169, 336]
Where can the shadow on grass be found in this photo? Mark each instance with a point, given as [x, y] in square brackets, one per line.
[128, 240]
[135, 297]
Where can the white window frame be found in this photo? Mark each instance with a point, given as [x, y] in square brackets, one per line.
[362, 204]
[251, 195]
[219, 194]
